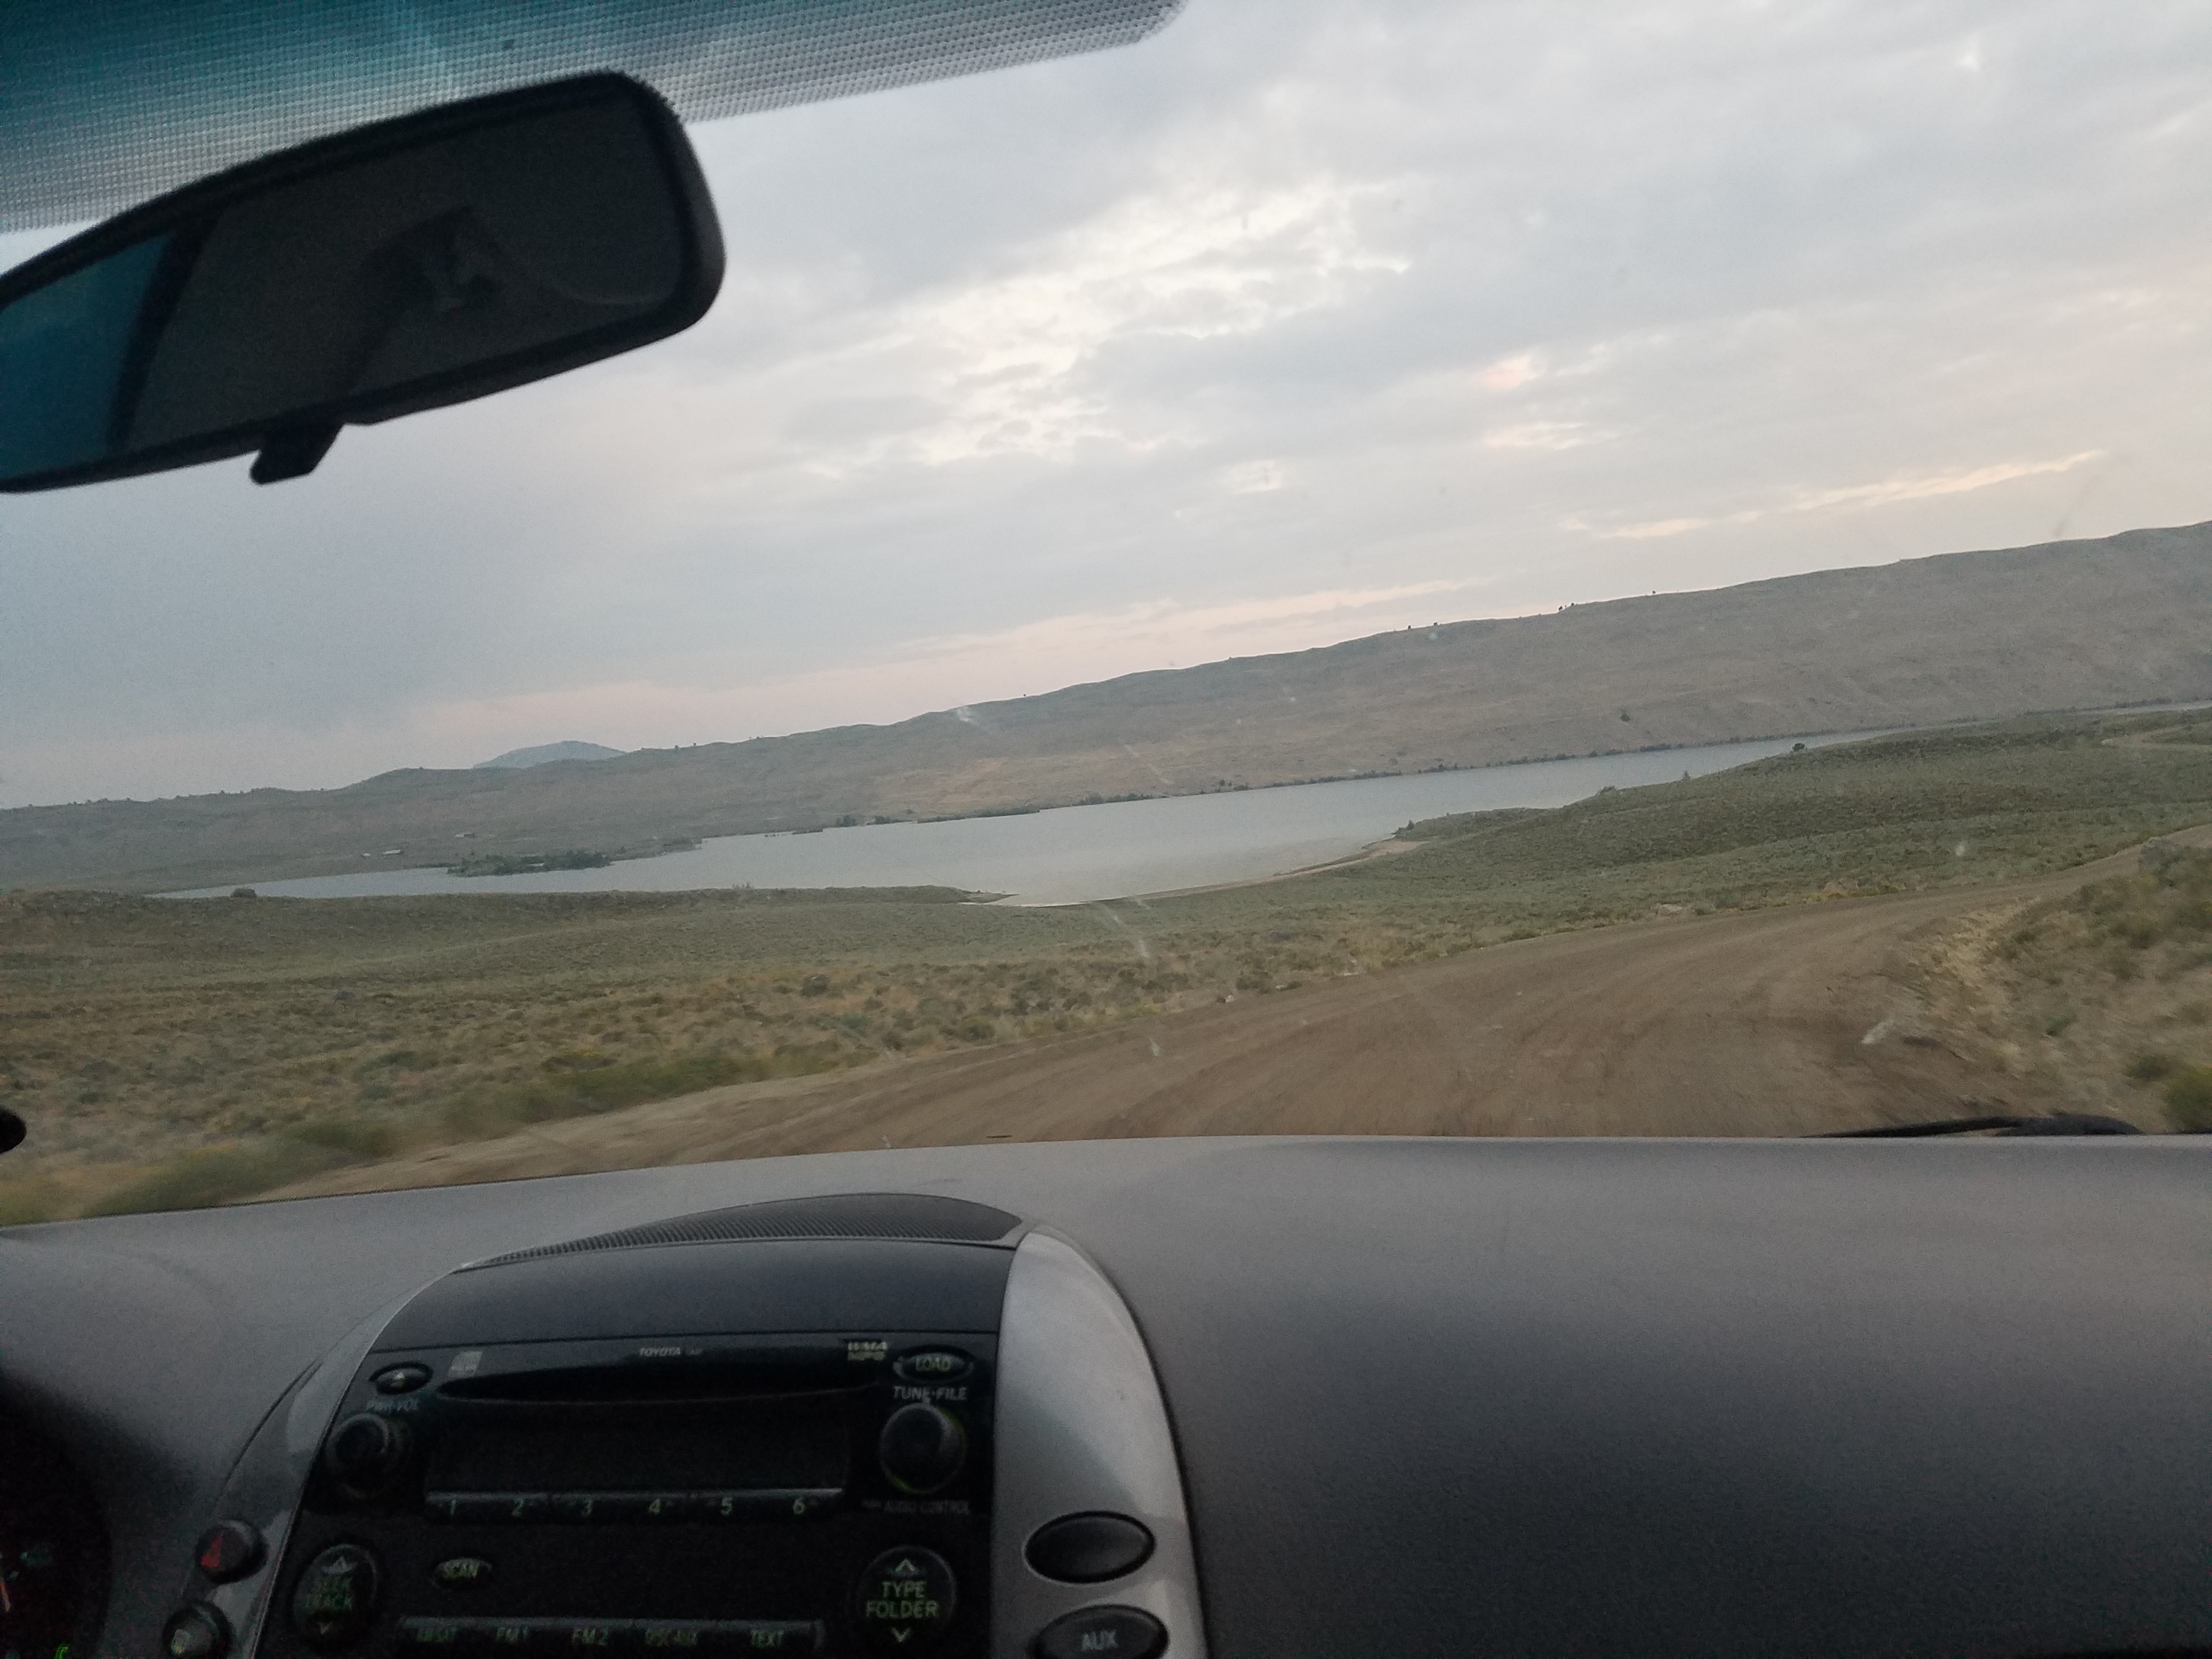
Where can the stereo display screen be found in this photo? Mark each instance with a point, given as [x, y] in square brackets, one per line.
[731, 1451]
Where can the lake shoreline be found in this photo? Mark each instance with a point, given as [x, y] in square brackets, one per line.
[1084, 854]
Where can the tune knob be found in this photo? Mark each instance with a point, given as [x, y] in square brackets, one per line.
[365, 1452]
[922, 1448]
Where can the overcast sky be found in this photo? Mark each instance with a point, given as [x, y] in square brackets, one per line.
[1304, 319]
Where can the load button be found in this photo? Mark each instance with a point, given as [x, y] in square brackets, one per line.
[931, 1365]
[905, 1599]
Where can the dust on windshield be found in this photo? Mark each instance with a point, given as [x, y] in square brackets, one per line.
[1337, 569]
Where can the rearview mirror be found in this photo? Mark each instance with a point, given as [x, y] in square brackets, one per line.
[399, 267]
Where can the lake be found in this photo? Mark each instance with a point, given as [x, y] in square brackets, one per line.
[1072, 854]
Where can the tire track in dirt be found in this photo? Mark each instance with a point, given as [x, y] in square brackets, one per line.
[1764, 1022]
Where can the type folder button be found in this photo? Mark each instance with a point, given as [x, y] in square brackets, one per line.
[905, 1599]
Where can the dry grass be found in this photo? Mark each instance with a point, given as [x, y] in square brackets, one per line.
[169, 1053]
[2105, 992]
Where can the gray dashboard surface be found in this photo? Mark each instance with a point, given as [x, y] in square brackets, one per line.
[1430, 1397]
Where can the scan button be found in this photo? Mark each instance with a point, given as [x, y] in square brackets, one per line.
[460, 1572]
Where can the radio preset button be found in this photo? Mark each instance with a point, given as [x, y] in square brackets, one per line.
[737, 1507]
[642, 1507]
[906, 1599]
[336, 1597]
[1101, 1634]
[921, 1448]
[460, 1572]
[931, 1365]
[479, 1509]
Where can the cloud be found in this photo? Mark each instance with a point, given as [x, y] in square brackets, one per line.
[1655, 527]
[1952, 483]
[1252, 478]
[1268, 316]
[1510, 373]
[1005, 362]
[1540, 435]
[1886, 493]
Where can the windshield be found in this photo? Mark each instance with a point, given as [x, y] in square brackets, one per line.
[1340, 569]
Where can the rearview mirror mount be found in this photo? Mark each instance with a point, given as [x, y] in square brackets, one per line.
[396, 268]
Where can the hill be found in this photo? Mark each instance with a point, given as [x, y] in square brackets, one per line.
[167, 1052]
[2081, 624]
[541, 754]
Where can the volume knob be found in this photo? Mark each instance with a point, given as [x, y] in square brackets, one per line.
[365, 1452]
[922, 1448]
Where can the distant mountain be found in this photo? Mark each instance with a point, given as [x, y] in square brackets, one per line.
[2084, 624]
[519, 758]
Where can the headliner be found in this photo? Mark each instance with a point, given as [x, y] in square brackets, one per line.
[107, 105]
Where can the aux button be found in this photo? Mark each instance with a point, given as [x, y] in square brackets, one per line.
[1101, 1634]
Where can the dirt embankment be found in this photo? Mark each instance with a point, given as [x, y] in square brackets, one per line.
[1788, 1021]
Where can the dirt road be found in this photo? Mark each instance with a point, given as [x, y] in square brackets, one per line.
[1775, 1022]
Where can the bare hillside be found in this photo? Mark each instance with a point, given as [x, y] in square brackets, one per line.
[2075, 624]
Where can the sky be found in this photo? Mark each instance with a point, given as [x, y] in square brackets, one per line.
[1302, 320]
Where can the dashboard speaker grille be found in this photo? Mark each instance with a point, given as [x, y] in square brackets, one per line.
[844, 1215]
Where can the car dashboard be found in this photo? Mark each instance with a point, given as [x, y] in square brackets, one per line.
[1134, 1399]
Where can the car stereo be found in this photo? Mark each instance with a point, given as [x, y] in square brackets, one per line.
[719, 1493]
[784, 1428]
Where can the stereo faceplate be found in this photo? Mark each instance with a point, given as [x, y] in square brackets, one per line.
[717, 1445]
[727, 1492]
